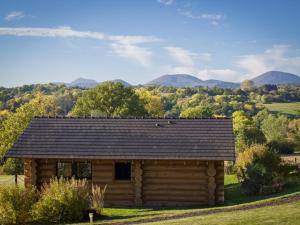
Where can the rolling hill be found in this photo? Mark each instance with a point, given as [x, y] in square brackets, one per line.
[185, 80]
[276, 77]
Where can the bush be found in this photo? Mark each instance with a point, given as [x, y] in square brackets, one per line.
[16, 204]
[62, 201]
[281, 147]
[261, 170]
[97, 198]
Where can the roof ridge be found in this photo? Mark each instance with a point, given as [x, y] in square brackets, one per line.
[128, 117]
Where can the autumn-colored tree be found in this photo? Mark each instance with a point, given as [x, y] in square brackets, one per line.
[247, 85]
[153, 103]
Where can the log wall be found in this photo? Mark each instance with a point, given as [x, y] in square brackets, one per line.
[153, 182]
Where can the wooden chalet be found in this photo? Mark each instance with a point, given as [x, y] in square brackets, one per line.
[144, 162]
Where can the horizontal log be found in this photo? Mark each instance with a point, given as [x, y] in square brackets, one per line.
[183, 187]
[175, 198]
[102, 173]
[169, 175]
[175, 193]
[174, 182]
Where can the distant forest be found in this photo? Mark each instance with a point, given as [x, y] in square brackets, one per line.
[252, 121]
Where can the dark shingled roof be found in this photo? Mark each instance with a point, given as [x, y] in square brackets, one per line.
[125, 138]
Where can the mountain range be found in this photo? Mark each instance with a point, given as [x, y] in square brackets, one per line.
[186, 80]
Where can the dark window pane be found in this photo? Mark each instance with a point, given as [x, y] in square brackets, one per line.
[122, 171]
[84, 170]
[64, 169]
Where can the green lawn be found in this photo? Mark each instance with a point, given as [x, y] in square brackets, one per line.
[292, 108]
[9, 179]
[287, 214]
[233, 198]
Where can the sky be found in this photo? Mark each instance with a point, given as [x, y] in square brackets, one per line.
[140, 40]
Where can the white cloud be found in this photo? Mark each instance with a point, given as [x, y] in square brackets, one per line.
[14, 15]
[214, 19]
[181, 55]
[124, 46]
[136, 53]
[279, 57]
[166, 2]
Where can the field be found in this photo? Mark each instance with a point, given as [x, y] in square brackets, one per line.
[5, 179]
[292, 108]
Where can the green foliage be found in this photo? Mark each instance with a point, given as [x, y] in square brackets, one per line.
[16, 204]
[259, 168]
[15, 123]
[62, 201]
[153, 103]
[245, 130]
[281, 147]
[198, 112]
[275, 128]
[13, 166]
[109, 99]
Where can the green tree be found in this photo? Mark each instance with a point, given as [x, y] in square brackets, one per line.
[109, 99]
[275, 128]
[198, 111]
[15, 124]
[247, 85]
[153, 103]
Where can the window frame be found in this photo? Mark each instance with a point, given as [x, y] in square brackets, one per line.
[130, 170]
[74, 170]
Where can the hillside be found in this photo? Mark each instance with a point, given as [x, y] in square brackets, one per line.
[82, 83]
[276, 77]
[185, 80]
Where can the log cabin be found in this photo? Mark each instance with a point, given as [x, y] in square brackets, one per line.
[143, 161]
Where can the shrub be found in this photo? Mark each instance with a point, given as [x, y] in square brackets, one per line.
[16, 204]
[281, 147]
[62, 201]
[261, 170]
[97, 198]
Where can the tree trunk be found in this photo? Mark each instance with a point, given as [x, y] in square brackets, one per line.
[16, 179]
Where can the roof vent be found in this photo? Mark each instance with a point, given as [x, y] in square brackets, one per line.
[157, 125]
[170, 122]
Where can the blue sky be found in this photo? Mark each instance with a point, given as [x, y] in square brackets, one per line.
[139, 40]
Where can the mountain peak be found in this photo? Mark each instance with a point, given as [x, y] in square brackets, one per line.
[277, 78]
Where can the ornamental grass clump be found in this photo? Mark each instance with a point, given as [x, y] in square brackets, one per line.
[62, 201]
[16, 204]
[97, 198]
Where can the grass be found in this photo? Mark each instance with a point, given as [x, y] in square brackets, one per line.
[292, 108]
[288, 214]
[10, 179]
[233, 197]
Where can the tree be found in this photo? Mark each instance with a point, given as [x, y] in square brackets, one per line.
[247, 85]
[198, 111]
[245, 130]
[258, 168]
[109, 99]
[275, 128]
[153, 103]
[15, 124]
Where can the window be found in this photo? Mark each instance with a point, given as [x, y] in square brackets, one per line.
[122, 171]
[79, 170]
[64, 169]
[84, 170]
